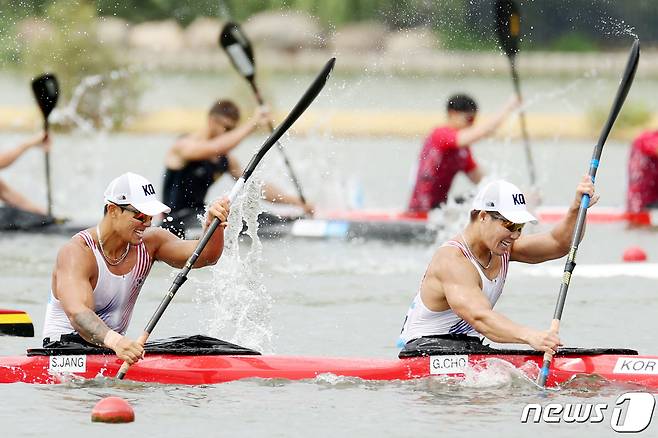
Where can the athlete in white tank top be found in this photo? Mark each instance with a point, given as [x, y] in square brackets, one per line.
[114, 295]
[455, 301]
[99, 273]
[421, 321]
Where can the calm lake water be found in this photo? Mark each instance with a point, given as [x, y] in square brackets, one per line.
[327, 298]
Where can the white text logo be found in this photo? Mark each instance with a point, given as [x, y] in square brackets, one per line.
[632, 412]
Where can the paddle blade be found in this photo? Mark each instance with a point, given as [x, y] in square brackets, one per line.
[308, 97]
[622, 91]
[508, 26]
[16, 323]
[238, 49]
[46, 92]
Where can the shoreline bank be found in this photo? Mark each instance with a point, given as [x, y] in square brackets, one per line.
[344, 123]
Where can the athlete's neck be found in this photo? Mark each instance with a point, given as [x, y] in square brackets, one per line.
[477, 246]
[113, 245]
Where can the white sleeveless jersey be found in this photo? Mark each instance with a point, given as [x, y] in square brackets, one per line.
[420, 321]
[114, 295]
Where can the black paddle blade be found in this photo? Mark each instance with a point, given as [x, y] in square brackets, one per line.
[46, 92]
[308, 97]
[622, 91]
[508, 26]
[238, 49]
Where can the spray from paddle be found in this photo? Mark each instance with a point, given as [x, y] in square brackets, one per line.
[237, 303]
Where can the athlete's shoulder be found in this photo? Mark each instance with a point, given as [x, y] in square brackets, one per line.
[449, 261]
[77, 252]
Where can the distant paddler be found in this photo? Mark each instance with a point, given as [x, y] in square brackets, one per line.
[99, 273]
[467, 273]
[643, 173]
[197, 160]
[10, 196]
[447, 151]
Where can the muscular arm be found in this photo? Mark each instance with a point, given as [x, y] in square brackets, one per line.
[537, 248]
[463, 292]
[194, 149]
[175, 252]
[475, 175]
[74, 269]
[90, 326]
[72, 287]
[270, 192]
[483, 129]
[8, 157]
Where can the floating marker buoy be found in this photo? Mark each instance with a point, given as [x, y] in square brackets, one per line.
[634, 254]
[112, 410]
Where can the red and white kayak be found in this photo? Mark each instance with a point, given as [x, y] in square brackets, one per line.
[547, 214]
[412, 226]
[198, 370]
[602, 215]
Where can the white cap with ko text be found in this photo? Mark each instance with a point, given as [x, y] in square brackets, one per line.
[505, 198]
[137, 191]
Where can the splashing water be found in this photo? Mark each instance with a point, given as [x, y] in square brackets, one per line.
[71, 114]
[448, 220]
[617, 28]
[238, 301]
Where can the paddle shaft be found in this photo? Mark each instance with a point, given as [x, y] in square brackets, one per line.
[570, 264]
[524, 130]
[178, 282]
[291, 172]
[297, 111]
[47, 157]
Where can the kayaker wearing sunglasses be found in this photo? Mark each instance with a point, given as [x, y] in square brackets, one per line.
[467, 273]
[100, 271]
[447, 152]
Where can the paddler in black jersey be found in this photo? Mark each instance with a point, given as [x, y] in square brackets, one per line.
[197, 160]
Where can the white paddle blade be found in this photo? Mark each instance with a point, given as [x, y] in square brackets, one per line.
[241, 60]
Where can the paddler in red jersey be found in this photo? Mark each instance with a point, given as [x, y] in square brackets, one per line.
[100, 271]
[447, 151]
[467, 273]
[643, 173]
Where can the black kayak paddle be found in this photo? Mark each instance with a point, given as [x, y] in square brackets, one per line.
[46, 92]
[238, 48]
[622, 91]
[308, 97]
[508, 29]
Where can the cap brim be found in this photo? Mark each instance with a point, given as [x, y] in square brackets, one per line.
[519, 217]
[152, 208]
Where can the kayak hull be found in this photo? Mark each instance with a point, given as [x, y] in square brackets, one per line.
[200, 370]
[347, 225]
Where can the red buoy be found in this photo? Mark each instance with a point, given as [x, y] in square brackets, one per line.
[634, 254]
[112, 410]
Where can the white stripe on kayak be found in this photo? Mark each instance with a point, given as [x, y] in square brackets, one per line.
[640, 270]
